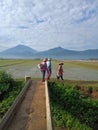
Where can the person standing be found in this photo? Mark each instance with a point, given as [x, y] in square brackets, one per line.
[49, 67]
[60, 71]
[44, 69]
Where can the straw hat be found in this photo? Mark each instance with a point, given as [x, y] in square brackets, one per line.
[61, 63]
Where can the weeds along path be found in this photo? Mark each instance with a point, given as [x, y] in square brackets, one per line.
[31, 114]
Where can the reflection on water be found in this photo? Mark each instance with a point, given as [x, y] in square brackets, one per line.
[71, 73]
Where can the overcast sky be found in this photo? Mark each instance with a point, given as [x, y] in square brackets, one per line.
[45, 24]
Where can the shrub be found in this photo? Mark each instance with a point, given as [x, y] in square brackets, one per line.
[90, 90]
[72, 101]
[6, 83]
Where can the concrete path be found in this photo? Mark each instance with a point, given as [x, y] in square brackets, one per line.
[31, 114]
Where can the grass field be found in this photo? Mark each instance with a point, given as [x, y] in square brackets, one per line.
[73, 70]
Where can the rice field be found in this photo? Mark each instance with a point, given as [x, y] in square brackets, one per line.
[73, 70]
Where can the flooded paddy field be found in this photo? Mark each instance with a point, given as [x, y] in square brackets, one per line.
[73, 70]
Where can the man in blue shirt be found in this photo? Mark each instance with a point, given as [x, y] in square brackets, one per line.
[49, 67]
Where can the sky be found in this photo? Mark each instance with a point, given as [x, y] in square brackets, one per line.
[45, 24]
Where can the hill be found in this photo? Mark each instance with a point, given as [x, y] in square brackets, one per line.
[26, 52]
[61, 53]
[19, 51]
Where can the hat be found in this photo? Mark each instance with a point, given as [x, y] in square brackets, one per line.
[61, 63]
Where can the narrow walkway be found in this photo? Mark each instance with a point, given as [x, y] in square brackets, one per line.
[31, 114]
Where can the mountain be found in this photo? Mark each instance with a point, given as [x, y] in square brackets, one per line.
[19, 51]
[26, 52]
[61, 53]
[56, 51]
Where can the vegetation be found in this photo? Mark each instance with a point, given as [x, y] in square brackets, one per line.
[71, 109]
[9, 89]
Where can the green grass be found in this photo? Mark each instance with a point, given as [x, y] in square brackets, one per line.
[85, 64]
[67, 64]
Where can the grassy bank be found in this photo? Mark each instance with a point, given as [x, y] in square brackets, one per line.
[73, 107]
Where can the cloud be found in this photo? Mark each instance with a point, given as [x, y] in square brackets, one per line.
[49, 23]
[23, 27]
